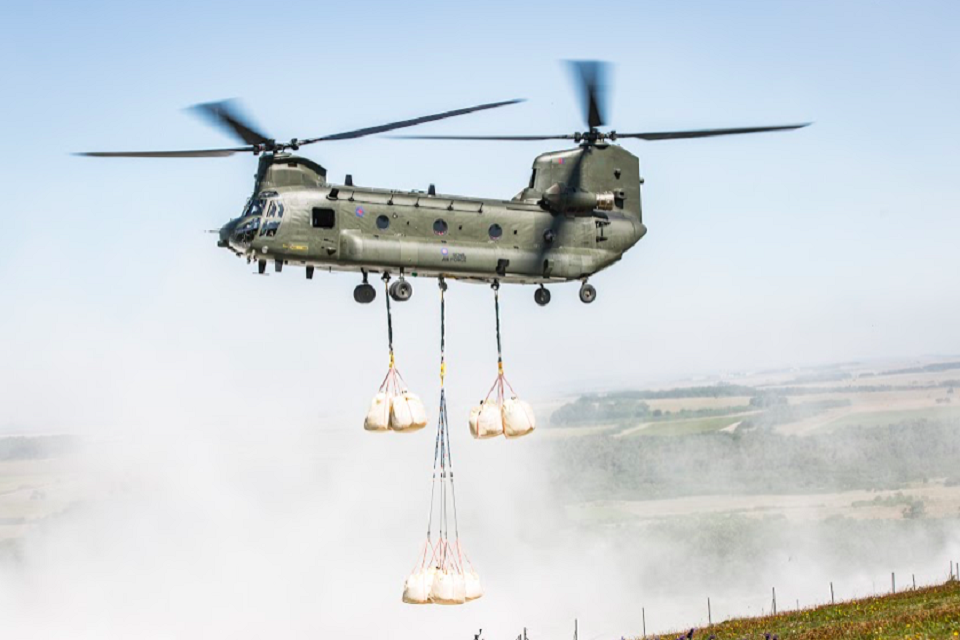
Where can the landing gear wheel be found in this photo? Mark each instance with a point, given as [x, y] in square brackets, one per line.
[364, 293]
[542, 296]
[401, 290]
[587, 293]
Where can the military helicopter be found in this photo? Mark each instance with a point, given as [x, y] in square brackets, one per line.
[579, 213]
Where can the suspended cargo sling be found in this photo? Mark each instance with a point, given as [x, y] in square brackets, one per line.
[443, 573]
[501, 412]
[394, 408]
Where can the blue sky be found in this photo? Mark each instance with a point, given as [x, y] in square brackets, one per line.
[836, 242]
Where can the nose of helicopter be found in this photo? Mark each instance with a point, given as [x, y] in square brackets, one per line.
[225, 232]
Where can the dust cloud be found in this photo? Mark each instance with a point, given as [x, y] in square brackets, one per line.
[226, 488]
[229, 531]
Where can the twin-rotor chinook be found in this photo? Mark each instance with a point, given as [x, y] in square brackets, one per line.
[578, 214]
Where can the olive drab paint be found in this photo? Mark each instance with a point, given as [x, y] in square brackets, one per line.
[296, 217]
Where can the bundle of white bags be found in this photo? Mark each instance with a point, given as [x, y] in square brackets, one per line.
[394, 408]
[511, 418]
[431, 585]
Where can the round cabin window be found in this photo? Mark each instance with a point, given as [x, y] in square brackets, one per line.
[383, 222]
[440, 228]
[496, 231]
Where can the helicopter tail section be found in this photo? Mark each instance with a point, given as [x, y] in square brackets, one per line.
[604, 170]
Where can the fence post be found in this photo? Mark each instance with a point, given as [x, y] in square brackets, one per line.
[831, 593]
[774, 589]
[576, 628]
[709, 613]
[643, 612]
[893, 582]
[914, 577]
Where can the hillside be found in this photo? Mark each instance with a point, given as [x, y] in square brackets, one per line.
[929, 612]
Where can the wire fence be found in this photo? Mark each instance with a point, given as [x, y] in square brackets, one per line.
[775, 605]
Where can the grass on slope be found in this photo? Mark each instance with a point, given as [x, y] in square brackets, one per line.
[929, 612]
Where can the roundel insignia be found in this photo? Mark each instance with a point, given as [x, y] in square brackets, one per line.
[360, 212]
[444, 251]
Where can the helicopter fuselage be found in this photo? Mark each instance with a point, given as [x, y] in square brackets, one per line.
[295, 217]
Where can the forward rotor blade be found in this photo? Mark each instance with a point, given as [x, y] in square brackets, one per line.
[507, 138]
[225, 115]
[707, 133]
[197, 153]
[591, 76]
[359, 133]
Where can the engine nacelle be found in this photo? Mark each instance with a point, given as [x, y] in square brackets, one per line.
[572, 201]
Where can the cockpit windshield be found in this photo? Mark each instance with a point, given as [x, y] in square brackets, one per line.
[264, 214]
[265, 204]
[253, 208]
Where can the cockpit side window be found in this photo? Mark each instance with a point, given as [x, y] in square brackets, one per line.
[533, 178]
[269, 229]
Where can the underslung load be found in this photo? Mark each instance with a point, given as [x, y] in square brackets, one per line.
[443, 573]
[501, 412]
[394, 408]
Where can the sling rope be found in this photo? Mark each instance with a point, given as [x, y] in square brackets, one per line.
[386, 292]
[442, 458]
[496, 304]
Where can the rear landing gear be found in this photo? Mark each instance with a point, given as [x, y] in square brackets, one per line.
[587, 293]
[364, 293]
[401, 290]
[542, 296]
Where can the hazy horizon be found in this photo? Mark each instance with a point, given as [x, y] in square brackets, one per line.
[229, 490]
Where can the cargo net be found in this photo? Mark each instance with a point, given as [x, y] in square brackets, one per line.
[501, 412]
[394, 408]
[443, 573]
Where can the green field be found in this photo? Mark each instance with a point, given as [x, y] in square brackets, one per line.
[686, 427]
[926, 613]
[882, 418]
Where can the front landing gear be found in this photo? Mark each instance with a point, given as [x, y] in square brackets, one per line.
[587, 293]
[542, 296]
[364, 293]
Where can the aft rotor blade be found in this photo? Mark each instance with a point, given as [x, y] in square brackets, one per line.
[225, 115]
[707, 133]
[591, 76]
[197, 153]
[507, 138]
[359, 133]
